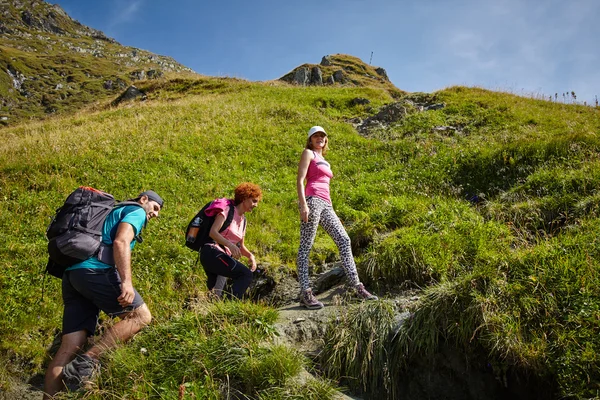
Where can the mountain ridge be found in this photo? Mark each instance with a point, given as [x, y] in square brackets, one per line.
[51, 63]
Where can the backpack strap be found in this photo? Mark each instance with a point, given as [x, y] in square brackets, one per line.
[229, 218]
[105, 252]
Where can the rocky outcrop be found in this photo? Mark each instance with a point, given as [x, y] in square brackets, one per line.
[326, 61]
[341, 69]
[305, 76]
[381, 72]
[130, 94]
[394, 113]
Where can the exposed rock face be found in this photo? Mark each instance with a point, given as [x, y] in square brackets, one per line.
[381, 72]
[393, 113]
[339, 76]
[302, 76]
[17, 77]
[138, 75]
[316, 76]
[326, 61]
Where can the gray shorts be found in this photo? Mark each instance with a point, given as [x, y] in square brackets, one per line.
[86, 291]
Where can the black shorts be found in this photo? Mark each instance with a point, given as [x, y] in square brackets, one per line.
[86, 291]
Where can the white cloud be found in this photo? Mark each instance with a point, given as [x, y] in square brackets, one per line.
[125, 11]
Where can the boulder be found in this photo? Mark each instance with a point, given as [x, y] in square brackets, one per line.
[381, 72]
[359, 101]
[138, 75]
[130, 94]
[316, 76]
[154, 74]
[339, 76]
[326, 61]
[329, 279]
[302, 76]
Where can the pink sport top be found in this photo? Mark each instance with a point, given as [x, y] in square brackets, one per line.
[235, 232]
[317, 178]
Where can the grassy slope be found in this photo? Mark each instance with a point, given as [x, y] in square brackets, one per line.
[522, 262]
[63, 72]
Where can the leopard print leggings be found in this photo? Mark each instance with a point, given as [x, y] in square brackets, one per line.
[321, 212]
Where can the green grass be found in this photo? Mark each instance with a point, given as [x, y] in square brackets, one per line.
[511, 276]
[206, 353]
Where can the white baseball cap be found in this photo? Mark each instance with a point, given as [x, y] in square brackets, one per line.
[316, 129]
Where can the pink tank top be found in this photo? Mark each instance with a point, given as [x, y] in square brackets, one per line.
[317, 178]
[235, 232]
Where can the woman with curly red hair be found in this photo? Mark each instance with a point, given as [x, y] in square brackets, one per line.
[219, 257]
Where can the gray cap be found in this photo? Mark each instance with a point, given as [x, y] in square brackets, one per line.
[152, 195]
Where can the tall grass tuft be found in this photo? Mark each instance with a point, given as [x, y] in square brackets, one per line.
[356, 348]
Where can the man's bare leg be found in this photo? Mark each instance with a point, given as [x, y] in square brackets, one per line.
[122, 331]
[70, 344]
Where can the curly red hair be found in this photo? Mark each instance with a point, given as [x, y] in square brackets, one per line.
[245, 191]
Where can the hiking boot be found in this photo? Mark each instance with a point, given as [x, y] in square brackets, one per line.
[80, 371]
[308, 300]
[363, 293]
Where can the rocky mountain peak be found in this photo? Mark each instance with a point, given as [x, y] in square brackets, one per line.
[340, 69]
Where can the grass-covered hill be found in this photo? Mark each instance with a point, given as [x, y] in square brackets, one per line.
[50, 63]
[489, 204]
[342, 69]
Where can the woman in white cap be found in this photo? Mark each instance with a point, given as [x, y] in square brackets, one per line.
[315, 208]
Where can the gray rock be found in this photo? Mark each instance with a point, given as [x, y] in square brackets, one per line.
[108, 85]
[138, 75]
[326, 61]
[154, 74]
[329, 279]
[359, 100]
[382, 73]
[391, 113]
[302, 76]
[330, 80]
[339, 76]
[437, 106]
[316, 76]
[17, 77]
[444, 128]
[130, 94]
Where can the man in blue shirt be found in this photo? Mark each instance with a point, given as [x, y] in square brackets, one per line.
[102, 282]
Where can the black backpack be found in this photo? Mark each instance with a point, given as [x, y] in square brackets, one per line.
[197, 233]
[75, 233]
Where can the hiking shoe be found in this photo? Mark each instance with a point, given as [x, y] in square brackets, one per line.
[80, 371]
[363, 293]
[308, 300]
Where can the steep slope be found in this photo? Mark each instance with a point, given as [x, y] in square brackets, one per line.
[50, 63]
[486, 201]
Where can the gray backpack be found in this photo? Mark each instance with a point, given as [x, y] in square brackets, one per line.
[75, 233]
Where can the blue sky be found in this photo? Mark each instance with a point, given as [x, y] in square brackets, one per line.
[526, 47]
